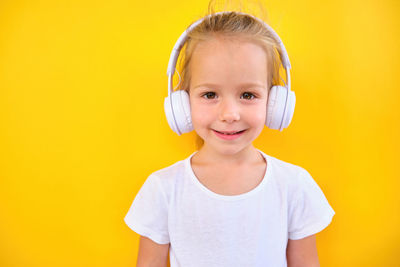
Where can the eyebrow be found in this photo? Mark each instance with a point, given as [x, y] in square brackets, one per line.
[250, 84]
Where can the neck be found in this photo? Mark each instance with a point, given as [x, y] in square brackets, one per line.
[208, 155]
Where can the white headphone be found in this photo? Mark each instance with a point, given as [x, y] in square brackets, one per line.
[281, 100]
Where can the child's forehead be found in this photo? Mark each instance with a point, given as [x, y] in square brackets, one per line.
[227, 39]
[228, 60]
[229, 48]
[220, 53]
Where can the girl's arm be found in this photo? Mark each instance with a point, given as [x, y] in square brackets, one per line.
[152, 254]
[302, 252]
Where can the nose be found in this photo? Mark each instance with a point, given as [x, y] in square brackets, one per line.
[229, 111]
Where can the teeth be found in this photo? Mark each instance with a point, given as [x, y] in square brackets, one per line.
[231, 133]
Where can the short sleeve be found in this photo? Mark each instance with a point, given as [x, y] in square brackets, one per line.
[148, 214]
[309, 211]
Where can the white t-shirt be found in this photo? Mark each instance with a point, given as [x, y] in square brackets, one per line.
[206, 229]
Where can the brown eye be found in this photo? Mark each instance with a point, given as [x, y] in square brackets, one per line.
[209, 95]
[248, 96]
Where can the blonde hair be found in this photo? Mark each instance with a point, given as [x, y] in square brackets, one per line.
[235, 25]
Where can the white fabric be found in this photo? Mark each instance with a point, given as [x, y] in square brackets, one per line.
[206, 229]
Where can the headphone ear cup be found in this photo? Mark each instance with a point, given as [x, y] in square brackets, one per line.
[178, 116]
[277, 118]
[289, 109]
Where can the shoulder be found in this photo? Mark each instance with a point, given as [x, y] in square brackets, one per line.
[170, 172]
[286, 173]
[298, 182]
[284, 168]
[170, 176]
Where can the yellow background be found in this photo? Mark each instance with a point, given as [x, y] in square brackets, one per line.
[82, 125]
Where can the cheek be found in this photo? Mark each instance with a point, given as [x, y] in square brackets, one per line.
[199, 113]
[258, 115]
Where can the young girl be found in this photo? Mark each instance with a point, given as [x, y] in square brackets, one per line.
[229, 204]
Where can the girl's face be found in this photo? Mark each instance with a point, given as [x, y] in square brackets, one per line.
[228, 93]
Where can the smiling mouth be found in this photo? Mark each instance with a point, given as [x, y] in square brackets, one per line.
[230, 133]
